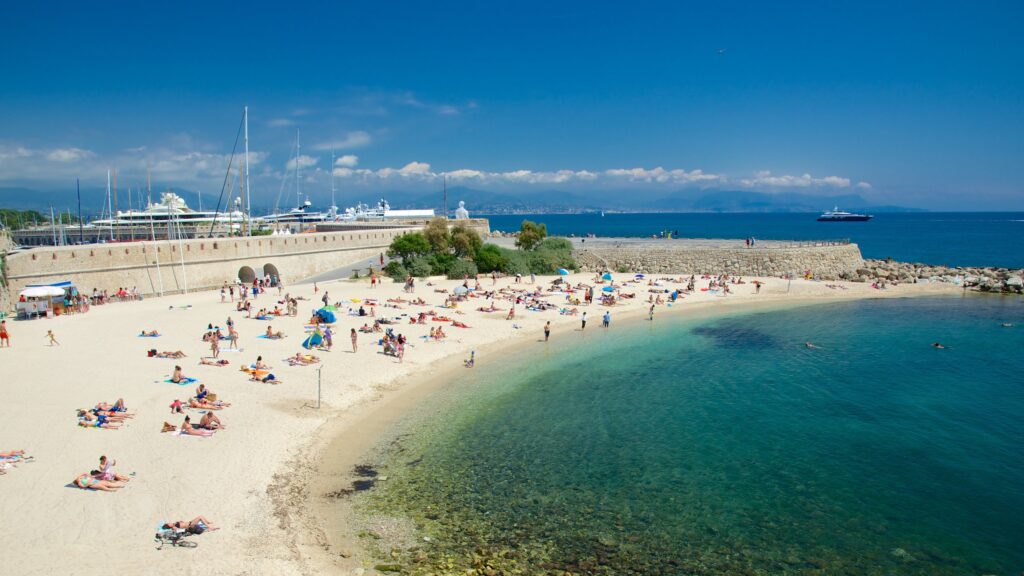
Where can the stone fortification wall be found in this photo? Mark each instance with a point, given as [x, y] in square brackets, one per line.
[827, 261]
[157, 267]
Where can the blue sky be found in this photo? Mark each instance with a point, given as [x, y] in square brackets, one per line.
[913, 103]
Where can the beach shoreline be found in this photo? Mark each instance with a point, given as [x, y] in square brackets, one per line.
[263, 478]
[342, 444]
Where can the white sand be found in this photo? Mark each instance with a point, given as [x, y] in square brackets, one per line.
[252, 479]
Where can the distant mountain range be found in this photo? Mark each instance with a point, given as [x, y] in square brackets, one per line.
[494, 202]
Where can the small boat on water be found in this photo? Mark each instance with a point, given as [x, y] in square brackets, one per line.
[837, 215]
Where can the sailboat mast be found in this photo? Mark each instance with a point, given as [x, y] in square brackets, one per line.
[109, 207]
[81, 231]
[248, 198]
[53, 227]
[298, 169]
[333, 205]
[115, 201]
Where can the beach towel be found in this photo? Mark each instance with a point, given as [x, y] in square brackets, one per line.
[265, 337]
[184, 382]
[149, 336]
[232, 349]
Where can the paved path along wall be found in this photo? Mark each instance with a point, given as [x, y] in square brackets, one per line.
[825, 260]
[173, 266]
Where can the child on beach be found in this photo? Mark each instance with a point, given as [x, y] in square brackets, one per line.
[53, 339]
[5, 339]
[547, 331]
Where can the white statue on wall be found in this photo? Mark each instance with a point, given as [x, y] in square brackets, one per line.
[461, 213]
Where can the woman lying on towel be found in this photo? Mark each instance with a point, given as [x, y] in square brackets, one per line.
[301, 359]
[190, 430]
[197, 525]
[212, 362]
[92, 482]
[271, 335]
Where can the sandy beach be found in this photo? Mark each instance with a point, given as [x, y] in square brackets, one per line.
[261, 480]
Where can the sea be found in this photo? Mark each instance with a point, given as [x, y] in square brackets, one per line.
[936, 238]
[724, 445]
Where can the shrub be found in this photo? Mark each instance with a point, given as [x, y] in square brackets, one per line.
[440, 263]
[421, 266]
[461, 268]
[408, 246]
[489, 258]
[396, 271]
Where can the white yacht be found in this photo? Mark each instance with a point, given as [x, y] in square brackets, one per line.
[171, 210]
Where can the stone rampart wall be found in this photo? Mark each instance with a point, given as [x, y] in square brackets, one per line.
[827, 262]
[172, 266]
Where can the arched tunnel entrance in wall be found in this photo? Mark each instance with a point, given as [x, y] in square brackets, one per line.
[271, 271]
[246, 275]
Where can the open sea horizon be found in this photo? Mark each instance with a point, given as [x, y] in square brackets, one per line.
[937, 238]
[723, 446]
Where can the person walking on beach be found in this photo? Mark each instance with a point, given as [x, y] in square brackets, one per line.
[355, 340]
[326, 299]
[53, 339]
[328, 338]
[5, 338]
[547, 331]
[583, 322]
[215, 346]
[607, 320]
[650, 313]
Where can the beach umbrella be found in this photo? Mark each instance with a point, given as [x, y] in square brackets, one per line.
[607, 276]
[639, 276]
[563, 272]
[330, 308]
[460, 290]
[42, 291]
[608, 289]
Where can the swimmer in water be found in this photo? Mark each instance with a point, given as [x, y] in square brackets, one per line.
[938, 345]
[809, 345]
[1007, 325]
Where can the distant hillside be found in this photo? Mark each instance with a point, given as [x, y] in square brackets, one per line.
[484, 201]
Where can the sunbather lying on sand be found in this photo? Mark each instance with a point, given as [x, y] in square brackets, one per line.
[150, 334]
[213, 362]
[197, 525]
[92, 482]
[261, 376]
[13, 454]
[115, 407]
[167, 354]
[87, 419]
[273, 335]
[301, 359]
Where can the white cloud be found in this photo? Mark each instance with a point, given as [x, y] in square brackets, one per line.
[347, 161]
[281, 122]
[661, 175]
[416, 169]
[864, 185]
[765, 179]
[301, 161]
[356, 139]
[69, 154]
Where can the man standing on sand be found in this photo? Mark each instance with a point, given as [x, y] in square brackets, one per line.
[5, 338]
[547, 331]
[607, 321]
[215, 345]
[355, 340]
[650, 314]
[583, 322]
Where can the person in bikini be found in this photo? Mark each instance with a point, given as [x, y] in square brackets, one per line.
[197, 525]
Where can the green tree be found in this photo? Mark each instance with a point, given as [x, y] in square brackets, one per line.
[437, 234]
[530, 234]
[489, 259]
[465, 242]
[408, 246]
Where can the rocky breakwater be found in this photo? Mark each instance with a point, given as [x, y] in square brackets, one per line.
[827, 261]
[981, 279]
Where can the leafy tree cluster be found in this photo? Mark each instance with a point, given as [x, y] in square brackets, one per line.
[19, 219]
[460, 252]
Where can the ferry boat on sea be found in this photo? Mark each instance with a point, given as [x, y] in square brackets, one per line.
[837, 215]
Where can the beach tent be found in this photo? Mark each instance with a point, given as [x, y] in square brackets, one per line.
[326, 316]
[639, 275]
[563, 272]
[460, 290]
[313, 341]
[607, 276]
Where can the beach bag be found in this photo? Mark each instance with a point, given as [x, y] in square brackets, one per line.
[151, 353]
[211, 397]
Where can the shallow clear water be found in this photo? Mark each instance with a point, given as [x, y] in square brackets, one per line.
[982, 238]
[728, 447]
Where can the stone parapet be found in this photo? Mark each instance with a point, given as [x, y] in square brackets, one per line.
[826, 261]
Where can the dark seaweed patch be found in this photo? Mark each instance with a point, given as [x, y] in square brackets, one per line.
[738, 337]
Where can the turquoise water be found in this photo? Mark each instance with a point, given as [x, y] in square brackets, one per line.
[728, 447]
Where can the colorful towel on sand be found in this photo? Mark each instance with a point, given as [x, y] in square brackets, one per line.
[184, 382]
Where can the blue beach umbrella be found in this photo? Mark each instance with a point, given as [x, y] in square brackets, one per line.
[608, 289]
[607, 276]
[639, 276]
[563, 272]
